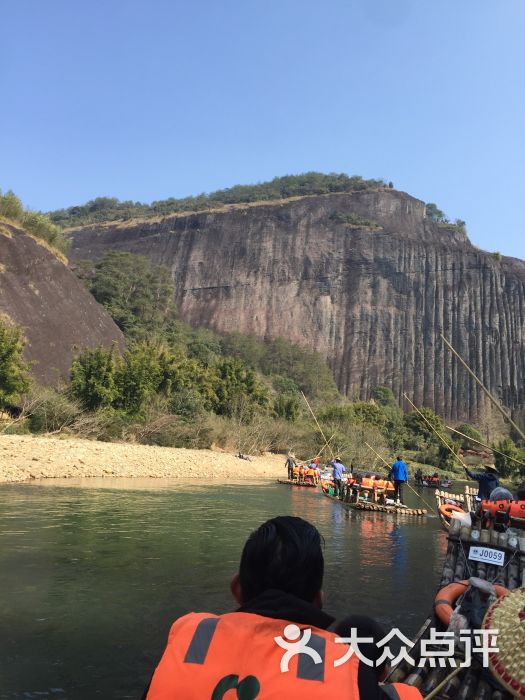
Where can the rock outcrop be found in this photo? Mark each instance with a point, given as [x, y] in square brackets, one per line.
[58, 316]
[364, 278]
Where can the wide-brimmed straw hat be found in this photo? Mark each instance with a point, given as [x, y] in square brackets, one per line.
[492, 467]
[507, 662]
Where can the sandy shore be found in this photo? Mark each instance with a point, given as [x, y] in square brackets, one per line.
[26, 457]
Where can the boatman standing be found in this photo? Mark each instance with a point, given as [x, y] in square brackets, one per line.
[338, 470]
[399, 475]
[487, 480]
[290, 464]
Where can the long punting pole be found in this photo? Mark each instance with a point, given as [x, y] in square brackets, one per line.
[440, 687]
[326, 442]
[492, 449]
[388, 466]
[487, 392]
[323, 448]
[449, 448]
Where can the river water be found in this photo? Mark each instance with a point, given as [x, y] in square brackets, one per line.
[91, 576]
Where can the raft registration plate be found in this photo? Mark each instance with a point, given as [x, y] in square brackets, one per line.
[487, 555]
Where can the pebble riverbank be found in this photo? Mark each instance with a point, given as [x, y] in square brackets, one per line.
[25, 457]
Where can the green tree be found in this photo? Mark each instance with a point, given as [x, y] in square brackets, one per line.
[236, 383]
[14, 377]
[447, 460]
[471, 436]
[417, 425]
[505, 462]
[11, 206]
[369, 413]
[287, 407]
[137, 294]
[434, 214]
[138, 377]
[183, 375]
[384, 396]
[93, 375]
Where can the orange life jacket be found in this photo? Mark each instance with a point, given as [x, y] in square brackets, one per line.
[516, 509]
[209, 655]
[382, 484]
[367, 483]
[311, 472]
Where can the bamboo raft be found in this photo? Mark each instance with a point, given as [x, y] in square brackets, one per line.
[292, 482]
[376, 507]
[475, 681]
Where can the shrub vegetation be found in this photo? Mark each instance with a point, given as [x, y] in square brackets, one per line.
[34, 222]
[111, 209]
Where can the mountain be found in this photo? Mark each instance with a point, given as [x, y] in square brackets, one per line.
[366, 278]
[40, 294]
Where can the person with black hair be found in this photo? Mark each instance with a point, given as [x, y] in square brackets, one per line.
[278, 590]
[520, 493]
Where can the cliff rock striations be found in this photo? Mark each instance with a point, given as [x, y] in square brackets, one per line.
[364, 278]
[57, 315]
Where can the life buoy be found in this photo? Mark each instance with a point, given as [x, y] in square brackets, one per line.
[446, 510]
[447, 596]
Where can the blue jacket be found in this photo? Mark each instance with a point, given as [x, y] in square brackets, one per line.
[338, 469]
[487, 483]
[399, 471]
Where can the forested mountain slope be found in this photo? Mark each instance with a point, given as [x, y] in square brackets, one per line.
[367, 278]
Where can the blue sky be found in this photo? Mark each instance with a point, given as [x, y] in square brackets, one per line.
[147, 100]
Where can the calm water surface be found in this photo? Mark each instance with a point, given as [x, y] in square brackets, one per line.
[91, 577]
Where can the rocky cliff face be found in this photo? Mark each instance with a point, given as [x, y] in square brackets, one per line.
[372, 300]
[44, 298]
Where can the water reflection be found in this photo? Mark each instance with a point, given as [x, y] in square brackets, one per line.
[92, 578]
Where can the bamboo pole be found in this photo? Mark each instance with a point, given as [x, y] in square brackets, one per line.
[327, 444]
[323, 448]
[440, 687]
[436, 432]
[409, 486]
[492, 449]
[487, 392]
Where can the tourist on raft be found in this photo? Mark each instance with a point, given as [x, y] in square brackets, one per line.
[487, 480]
[520, 493]
[338, 470]
[279, 643]
[399, 475]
